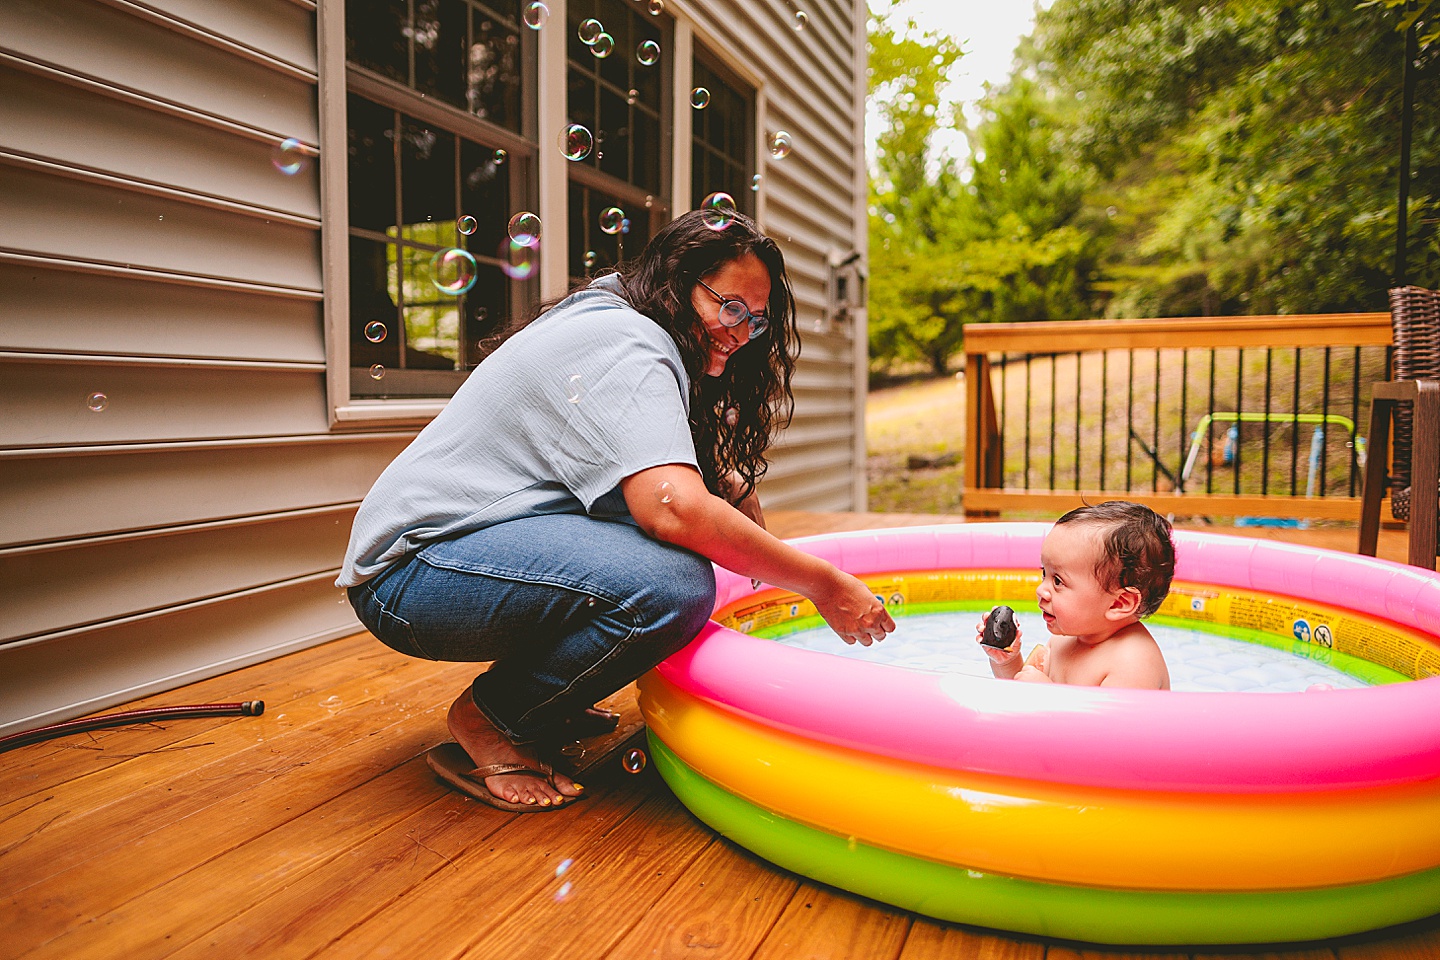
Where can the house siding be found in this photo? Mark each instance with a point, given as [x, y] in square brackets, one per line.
[150, 252]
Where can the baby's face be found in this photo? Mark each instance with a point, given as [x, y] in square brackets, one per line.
[1072, 600]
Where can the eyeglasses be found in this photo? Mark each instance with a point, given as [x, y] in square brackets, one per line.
[734, 312]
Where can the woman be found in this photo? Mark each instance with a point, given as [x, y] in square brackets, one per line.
[560, 516]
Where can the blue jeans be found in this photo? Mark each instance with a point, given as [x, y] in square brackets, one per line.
[568, 608]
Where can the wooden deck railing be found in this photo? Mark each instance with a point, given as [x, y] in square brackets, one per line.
[1069, 411]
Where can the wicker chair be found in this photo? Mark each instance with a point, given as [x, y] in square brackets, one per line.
[1413, 399]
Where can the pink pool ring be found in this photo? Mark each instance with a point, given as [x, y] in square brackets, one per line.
[1113, 816]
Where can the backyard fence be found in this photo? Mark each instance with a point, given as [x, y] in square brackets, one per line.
[1234, 416]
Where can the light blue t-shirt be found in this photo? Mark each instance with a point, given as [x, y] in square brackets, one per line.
[589, 393]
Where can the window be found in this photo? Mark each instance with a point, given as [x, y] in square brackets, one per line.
[723, 140]
[617, 92]
[434, 110]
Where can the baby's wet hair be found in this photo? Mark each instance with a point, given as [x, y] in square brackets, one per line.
[1136, 549]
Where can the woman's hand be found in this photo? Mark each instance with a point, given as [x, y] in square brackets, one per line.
[852, 611]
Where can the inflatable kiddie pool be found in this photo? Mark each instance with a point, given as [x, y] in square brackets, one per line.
[1109, 816]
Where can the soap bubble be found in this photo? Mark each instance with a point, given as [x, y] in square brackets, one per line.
[536, 13]
[97, 402]
[563, 867]
[611, 220]
[755, 183]
[467, 225]
[718, 210]
[290, 156]
[780, 145]
[575, 388]
[648, 53]
[634, 760]
[375, 331]
[664, 491]
[802, 20]
[564, 891]
[377, 372]
[500, 157]
[590, 30]
[732, 416]
[699, 98]
[576, 142]
[524, 228]
[656, 7]
[631, 96]
[591, 258]
[602, 46]
[517, 259]
[453, 271]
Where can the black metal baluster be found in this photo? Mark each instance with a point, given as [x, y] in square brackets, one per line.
[1184, 434]
[1265, 445]
[1004, 382]
[1077, 420]
[1129, 414]
[1325, 425]
[1053, 358]
[1210, 431]
[1028, 358]
[1239, 412]
[1104, 409]
[1355, 419]
[1295, 427]
[1155, 430]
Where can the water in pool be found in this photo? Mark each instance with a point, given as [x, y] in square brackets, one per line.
[1198, 661]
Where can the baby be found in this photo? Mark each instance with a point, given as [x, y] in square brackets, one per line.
[1102, 570]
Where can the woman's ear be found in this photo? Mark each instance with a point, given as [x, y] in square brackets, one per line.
[1124, 605]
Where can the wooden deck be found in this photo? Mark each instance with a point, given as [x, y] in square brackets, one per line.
[317, 830]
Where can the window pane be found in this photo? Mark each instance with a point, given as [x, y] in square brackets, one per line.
[593, 249]
[371, 162]
[432, 318]
[484, 195]
[376, 34]
[493, 69]
[373, 298]
[721, 154]
[440, 40]
[613, 137]
[427, 183]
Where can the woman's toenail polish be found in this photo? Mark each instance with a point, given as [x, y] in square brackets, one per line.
[579, 786]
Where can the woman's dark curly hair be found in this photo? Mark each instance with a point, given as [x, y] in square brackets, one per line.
[660, 283]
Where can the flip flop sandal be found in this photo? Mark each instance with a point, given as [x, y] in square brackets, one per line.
[453, 765]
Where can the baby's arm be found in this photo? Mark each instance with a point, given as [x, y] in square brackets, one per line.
[1037, 665]
[1004, 662]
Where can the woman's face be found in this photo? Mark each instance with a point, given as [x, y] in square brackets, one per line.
[745, 279]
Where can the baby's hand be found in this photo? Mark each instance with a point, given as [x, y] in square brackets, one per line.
[1036, 666]
[998, 655]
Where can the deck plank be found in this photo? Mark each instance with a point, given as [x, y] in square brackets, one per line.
[933, 940]
[821, 923]
[316, 830]
[277, 682]
[722, 907]
[162, 829]
[473, 898]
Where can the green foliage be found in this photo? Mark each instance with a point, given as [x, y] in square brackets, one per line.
[1155, 158]
[1252, 146]
[943, 252]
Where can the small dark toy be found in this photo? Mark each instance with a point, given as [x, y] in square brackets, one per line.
[1000, 628]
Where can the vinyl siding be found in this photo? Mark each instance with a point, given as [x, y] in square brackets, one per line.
[150, 251]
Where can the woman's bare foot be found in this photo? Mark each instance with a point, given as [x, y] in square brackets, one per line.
[487, 745]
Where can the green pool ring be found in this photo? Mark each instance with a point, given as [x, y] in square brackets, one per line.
[1096, 915]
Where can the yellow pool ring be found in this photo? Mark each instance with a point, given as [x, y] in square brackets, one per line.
[1054, 832]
